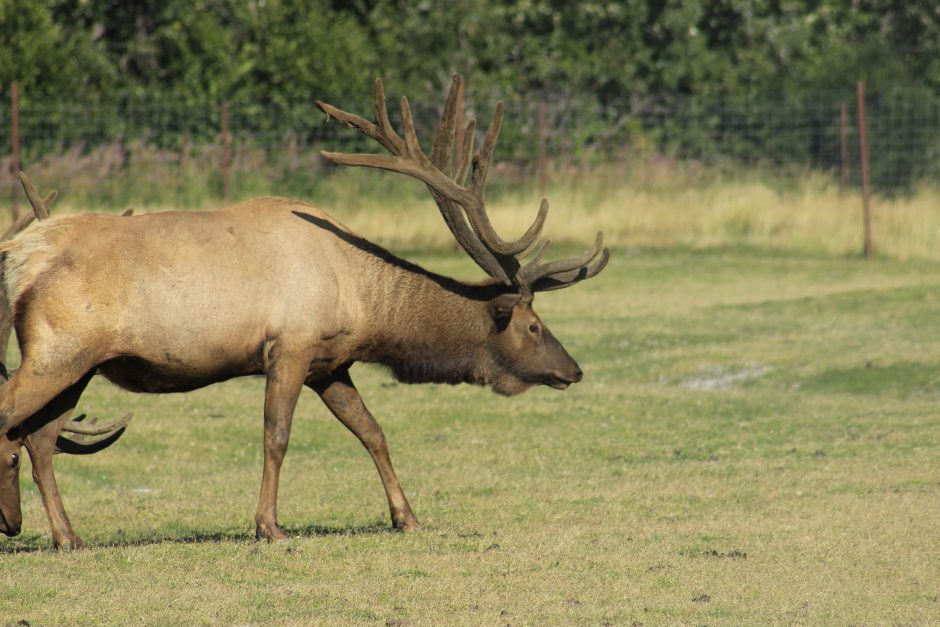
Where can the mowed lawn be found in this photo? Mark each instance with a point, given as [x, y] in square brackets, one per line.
[756, 440]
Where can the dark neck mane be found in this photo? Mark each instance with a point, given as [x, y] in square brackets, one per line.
[430, 329]
[427, 328]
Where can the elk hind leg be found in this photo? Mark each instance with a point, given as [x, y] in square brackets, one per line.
[43, 428]
[285, 379]
[343, 400]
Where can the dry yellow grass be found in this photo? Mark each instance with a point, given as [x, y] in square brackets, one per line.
[655, 205]
[816, 219]
[645, 202]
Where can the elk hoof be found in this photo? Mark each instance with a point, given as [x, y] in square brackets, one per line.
[67, 545]
[407, 525]
[271, 533]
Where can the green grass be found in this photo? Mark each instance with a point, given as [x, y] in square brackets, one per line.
[755, 441]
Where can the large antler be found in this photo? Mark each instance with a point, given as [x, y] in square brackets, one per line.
[499, 258]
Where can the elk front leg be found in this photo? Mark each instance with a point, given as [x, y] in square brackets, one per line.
[343, 399]
[28, 392]
[40, 443]
[285, 379]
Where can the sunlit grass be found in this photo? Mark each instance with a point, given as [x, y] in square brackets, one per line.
[755, 442]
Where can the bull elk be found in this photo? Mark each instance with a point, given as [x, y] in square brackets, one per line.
[171, 302]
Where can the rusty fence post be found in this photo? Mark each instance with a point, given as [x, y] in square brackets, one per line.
[542, 159]
[863, 150]
[226, 155]
[15, 140]
[843, 147]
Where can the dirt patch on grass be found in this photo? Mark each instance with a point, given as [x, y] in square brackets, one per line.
[724, 377]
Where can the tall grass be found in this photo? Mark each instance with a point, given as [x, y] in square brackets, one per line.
[645, 201]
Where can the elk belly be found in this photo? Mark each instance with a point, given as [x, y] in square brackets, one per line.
[173, 373]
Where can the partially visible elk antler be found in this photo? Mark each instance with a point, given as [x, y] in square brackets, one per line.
[500, 259]
[80, 444]
[40, 208]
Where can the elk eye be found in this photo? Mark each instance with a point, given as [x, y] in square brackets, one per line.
[534, 328]
[14, 460]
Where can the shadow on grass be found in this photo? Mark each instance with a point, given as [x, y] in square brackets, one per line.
[35, 542]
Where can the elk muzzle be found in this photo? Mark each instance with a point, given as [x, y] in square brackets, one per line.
[561, 379]
[12, 526]
[561, 369]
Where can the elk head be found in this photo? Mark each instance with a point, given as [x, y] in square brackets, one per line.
[88, 438]
[526, 352]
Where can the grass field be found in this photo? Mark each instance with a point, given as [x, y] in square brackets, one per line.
[755, 441]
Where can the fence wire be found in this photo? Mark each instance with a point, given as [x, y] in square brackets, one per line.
[163, 151]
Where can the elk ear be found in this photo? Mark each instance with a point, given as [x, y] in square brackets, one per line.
[501, 308]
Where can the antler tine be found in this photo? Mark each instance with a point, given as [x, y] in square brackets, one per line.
[75, 426]
[78, 445]
[39, 205]
[395, 144]
[558, 281]
[484, 228]
[481, 163]
[538, 251]
[381, 132]
[412, 146]
[534, 271]
[40, 208]
[353, 121]
[443, 148]
[463, 165]
[540, 277]
[475, 208]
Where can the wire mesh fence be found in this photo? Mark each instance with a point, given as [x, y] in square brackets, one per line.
[167, 152]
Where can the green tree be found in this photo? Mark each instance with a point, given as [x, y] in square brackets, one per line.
[46, 58]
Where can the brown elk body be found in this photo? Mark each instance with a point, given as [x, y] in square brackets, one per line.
[172, 302]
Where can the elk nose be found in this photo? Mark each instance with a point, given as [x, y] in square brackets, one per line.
[9, 529]
[578, 375]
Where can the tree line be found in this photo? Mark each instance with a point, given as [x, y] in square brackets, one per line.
[608, 51]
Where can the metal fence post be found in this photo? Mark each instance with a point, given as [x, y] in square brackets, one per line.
[226, 155]
[863, 150]
[15, 160]
[843, 147]
[543, 131]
